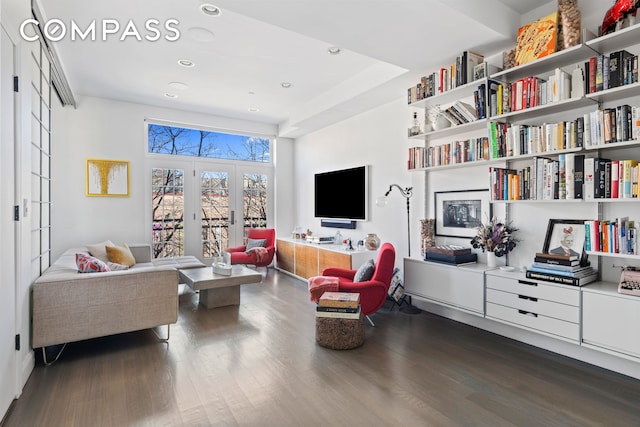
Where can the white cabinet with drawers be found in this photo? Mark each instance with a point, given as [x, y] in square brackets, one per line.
[544, 307]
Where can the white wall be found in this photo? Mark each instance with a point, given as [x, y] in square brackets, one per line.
[376, 138]
[107, 129]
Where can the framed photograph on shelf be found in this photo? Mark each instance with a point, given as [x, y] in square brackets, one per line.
[108, 178]
[458, 213]
[565, 237]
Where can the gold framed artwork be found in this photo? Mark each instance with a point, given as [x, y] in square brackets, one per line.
[108, 178]
[537, 39]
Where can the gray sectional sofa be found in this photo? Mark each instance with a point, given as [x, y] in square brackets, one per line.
[69, 306]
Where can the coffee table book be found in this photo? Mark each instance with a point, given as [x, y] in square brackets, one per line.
[339, 299]
[338, 314]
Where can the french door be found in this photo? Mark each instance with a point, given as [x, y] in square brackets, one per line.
[202, 208]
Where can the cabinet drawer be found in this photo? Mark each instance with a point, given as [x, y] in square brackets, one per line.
[535, 289]
[543, 307]
[611, 322]
[541, 323]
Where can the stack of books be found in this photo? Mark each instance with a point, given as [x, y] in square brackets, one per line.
[563, 269]
[343, 305]
[450, 254]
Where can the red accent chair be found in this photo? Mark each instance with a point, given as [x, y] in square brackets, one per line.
[373, 293]
[240, 256]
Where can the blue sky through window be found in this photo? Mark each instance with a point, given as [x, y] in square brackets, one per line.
[200, 143]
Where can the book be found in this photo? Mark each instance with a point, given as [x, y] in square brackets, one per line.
[338, 309]
[582, 272]
[551, 261]
[573, 281]
[339, 299]
[451, 259]
[339, 315]
[448, 250]
[545, 255]
[559, 267]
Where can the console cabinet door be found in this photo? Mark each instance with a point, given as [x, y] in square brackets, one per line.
[285, 257]
[611, 322]
[306, 261]
[334, 259]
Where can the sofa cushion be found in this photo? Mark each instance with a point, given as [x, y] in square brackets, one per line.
[117, 267]
[120, 255]
[365, 272]
[99, 250]
[256, 243]
[89, 264]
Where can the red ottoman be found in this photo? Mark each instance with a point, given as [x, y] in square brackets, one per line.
[318, 285]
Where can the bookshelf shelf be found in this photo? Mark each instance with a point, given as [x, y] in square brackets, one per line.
[615, 41]
[546, 109]
[615, 93]
[452, 130]
[613, 255]
[614, 145]
[449, 96]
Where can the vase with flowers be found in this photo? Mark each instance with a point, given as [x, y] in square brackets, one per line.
[496, 238]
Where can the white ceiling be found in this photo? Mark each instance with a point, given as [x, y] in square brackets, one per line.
[242, 56]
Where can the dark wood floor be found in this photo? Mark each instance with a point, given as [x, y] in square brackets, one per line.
[259, 365]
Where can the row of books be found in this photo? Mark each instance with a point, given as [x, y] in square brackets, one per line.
[571, 176]
[464, 70]
[562, 269]
[460, 113]
[447, 154]
[604, 72]
[529, 92]
[619, 236]
[596, 128]
[343, 305]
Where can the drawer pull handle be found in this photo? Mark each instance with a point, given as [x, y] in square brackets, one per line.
[527, 313]
[528, 298]
[524, 282]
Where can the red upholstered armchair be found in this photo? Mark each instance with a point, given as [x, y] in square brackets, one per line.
[373, 293]
[240, 255]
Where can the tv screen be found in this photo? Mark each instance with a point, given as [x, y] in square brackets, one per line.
[342, 194]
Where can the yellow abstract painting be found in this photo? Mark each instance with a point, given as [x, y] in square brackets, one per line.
[537, 39]
[107, 178]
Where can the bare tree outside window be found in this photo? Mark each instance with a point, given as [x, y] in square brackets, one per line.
[168, 187]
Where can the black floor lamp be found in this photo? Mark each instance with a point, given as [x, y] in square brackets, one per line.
[382, 201]
[406, 193]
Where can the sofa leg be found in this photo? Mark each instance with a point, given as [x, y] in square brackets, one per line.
[161, 338]
[370, 321]
[44, 356]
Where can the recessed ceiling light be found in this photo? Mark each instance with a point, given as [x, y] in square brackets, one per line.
[170, 95]
[186, 63]
[253, 109]
[178, 85]
[211, 10]
[334, 50]
[286, 85]
[251, 92]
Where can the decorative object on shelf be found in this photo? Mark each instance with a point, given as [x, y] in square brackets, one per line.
[537, 39]
[406, 193]
[427, 233]
[458, 213]
[614, 19]
[372, 242]
[415, 125]
[566, 237]
[496, 238]
[108, 178]
[441, 122]
[508, 59]
[569, 20]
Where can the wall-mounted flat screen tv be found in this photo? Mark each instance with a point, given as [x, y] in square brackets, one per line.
[342, 194]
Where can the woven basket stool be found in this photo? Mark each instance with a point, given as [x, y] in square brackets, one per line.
[340, 334]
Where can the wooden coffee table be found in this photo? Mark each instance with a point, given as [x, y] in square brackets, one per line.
[217, 290]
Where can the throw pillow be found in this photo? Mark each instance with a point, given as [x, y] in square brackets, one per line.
[365, 272]
[256, 243]
[117, 267]
[89, 264]
[121, 255]
[99, 250]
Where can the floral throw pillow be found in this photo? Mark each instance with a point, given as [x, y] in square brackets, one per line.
[89, 264]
